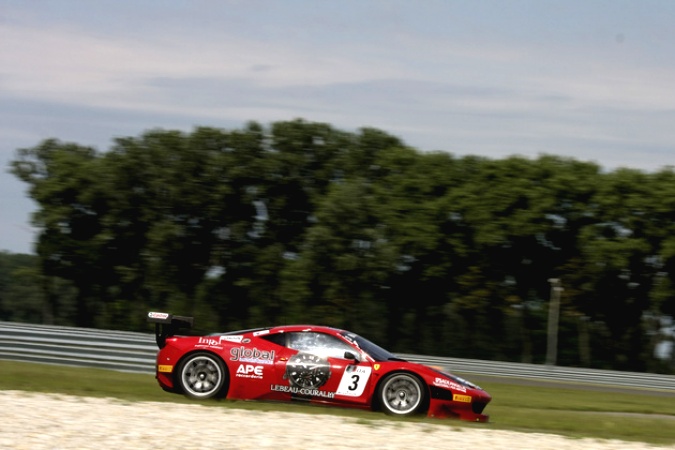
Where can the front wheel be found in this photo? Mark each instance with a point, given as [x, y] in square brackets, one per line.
[401, 394]
[202, 375]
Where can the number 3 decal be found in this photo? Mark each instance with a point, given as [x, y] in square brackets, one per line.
[354, 381]
[355, 385]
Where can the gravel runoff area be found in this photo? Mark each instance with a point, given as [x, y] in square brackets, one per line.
[53, 421]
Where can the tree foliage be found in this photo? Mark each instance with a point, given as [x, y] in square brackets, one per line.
[300, 222]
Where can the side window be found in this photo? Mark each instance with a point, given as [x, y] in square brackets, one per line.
[318, 343]
[279, 338]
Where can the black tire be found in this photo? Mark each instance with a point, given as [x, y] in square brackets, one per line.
[202, 375]
[401, 394]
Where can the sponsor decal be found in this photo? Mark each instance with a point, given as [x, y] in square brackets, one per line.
[448, 384]
[217, 341]
[302, 391]
[307, 370]
[236, 338]
[461, 398]
[209, 342]
[260, 333]
[250, 371]
[158, 315]
[354, 381]
[164, 368]
[252, 355]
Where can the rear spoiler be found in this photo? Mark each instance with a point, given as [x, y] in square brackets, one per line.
[167, 325]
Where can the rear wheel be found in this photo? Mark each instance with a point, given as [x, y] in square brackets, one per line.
[401, 394]
[202, 375]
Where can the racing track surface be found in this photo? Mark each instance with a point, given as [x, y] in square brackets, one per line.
[51, 421]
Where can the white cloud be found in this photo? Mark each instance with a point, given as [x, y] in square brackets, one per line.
[67, 64]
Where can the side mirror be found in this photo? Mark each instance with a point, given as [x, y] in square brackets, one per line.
[353, 356]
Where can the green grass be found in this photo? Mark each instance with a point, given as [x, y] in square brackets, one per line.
[636, 415]
[574, 412]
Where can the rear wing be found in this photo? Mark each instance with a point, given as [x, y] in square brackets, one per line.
[167, 325]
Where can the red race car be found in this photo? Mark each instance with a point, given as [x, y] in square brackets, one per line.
[307, 363]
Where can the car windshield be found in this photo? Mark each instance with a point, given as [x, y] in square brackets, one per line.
[374, 350]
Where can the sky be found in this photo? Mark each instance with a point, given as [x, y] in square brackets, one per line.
[592, 80]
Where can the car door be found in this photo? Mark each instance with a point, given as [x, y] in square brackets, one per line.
[315, 366]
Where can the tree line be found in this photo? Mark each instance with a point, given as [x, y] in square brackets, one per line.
[300, 222]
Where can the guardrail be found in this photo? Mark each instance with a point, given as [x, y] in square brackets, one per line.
[135, 352]
[86, 347]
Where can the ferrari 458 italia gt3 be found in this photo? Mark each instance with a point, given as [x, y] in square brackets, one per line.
[307, 363]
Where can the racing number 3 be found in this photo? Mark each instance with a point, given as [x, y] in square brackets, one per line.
[353, 381]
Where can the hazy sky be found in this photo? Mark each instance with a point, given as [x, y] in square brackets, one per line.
[589, 79]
